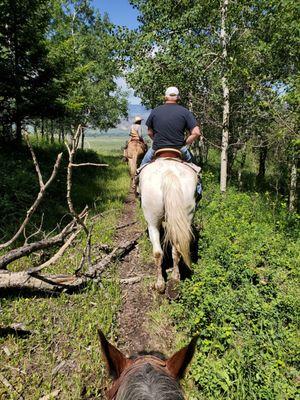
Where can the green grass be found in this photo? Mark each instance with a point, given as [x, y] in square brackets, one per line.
[64, 328]
[243, 298]
[106, 144]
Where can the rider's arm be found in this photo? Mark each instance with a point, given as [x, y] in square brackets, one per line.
[195, 135]
[150, 133]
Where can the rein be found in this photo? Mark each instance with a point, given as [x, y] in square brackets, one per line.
[139, 362]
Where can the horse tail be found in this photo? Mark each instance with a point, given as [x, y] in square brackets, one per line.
[178, 230]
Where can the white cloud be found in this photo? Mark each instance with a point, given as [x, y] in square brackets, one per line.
[122, 84]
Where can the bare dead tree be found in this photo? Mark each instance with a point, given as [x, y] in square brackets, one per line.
[32, 279]
[43, 188]
[72, 151]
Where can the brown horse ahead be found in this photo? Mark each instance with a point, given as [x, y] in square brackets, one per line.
[134, 152]
[146, 377]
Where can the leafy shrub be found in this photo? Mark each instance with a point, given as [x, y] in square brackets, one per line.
[242, 298]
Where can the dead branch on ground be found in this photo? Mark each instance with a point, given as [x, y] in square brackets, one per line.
[10, 387]
[69, 283]
[27, 249]
[57, 255]
[89, 165]
[51, 395]
[39, 230]
[96, 270]
[125, 225]
[32, 279]
[86, 256]
[134, 279]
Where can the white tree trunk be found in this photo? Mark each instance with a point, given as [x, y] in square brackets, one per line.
[242, 165]
[225, 87]
[293, 185]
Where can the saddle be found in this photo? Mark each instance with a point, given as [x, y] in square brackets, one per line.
[167, 153]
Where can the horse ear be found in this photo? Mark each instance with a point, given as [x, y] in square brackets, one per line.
[116, 362]
[178, 363]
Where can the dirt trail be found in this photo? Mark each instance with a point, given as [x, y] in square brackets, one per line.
[138, 331]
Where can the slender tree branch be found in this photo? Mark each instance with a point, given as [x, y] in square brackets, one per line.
[56, 256]
[39, 229]
[72, 151]
[86, 256]
[34, 159]
[88, 165]
[23, 251]
[43, 188]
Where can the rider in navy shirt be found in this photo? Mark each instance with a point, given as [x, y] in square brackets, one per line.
[167, 125]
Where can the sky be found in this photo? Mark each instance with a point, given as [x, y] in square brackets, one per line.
[120, 13]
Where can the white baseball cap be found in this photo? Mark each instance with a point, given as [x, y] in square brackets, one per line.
[172, 91]
[138, 118]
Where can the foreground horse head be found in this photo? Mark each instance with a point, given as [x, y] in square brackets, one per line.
[167, 190]
[146, 377]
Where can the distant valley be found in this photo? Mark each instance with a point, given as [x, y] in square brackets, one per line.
[122, 129]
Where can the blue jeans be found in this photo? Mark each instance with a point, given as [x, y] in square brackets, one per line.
[186, 155]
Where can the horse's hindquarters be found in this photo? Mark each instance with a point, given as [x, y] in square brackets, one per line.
[167, 193]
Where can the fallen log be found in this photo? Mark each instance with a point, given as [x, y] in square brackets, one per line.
[47, 283]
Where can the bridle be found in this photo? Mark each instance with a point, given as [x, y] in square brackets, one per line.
[137, 363]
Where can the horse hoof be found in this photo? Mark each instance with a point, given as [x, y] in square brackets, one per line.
[172, 290]
[160, 287]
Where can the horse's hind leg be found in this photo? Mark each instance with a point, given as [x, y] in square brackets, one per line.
[176, 258]
[172, 290]
[158, 256]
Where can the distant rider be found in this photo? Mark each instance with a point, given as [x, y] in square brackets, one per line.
[167, 125]
[135, 134]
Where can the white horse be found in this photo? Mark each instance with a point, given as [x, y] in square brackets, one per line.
[167, 190]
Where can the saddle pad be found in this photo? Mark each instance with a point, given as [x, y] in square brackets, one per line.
[193, 166]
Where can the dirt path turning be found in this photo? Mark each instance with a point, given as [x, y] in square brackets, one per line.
[138, 330]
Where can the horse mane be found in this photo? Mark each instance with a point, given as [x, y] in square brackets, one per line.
[148, 383]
